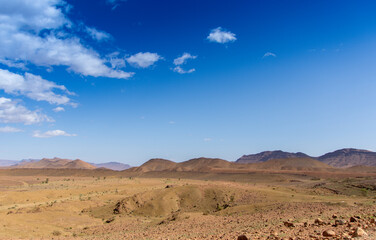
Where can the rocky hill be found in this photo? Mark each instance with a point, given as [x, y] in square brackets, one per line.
[349, 157]
[216, 165]
[268, 155]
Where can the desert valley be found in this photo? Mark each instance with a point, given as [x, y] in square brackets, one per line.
[187, 120]
[270, 195]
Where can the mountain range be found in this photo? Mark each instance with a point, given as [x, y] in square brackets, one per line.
[216, 165]
[348, 158]
[342, 158]
[58, 163]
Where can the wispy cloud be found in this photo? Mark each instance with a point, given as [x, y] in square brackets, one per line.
[182, 60]
[52, 133]
[143, 60]
[180, 70]
[97, 34]
[58, 109]
[34, 87]
[8, 129]
[115, 3]
[12, 111]
[269, 54]
[207, 139]
[221, 36]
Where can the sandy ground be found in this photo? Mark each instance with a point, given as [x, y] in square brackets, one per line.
[261, 207]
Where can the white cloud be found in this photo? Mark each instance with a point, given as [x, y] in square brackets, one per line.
[58, 109]
[269, 54]
[183, 59]
[33, 87]
[36, 15]
[97, 34]
[143, 60]
[221, 36]
[13, 112]
[180, 70]
[21, 41]
[8, 129]
[52, 133]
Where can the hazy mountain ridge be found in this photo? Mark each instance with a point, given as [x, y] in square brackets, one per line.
[112, 165]
[6, 163]
[342, 158]
[61, 163]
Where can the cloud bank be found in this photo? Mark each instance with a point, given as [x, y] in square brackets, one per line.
[40, 33]
[12, 111]
[34, 87]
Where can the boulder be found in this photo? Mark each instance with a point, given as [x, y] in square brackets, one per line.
[319, 221]
[242, 237]
[328, 233]
[359, 232]
[339, 222]
[289, 224]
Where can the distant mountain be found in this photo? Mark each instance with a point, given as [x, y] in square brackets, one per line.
[7, 163]
[78, 164]
[155, 165]
[216, 165]
[193, 165]
[112, 165]
[268, 155]
[349, 157]
[57, 163]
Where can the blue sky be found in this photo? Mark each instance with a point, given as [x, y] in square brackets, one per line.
[132, 80]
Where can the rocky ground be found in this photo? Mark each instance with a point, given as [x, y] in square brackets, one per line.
[295, 206]
[277, 222]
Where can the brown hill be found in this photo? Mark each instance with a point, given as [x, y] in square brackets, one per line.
[193, 165]
[349, 157]
[293, 164]
[362, 169]
[79, 164]
[56, 163]
[216, 165]
[154, 165]
[202, 165]
[268, 155]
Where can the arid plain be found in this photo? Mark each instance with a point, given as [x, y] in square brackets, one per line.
[198, 199]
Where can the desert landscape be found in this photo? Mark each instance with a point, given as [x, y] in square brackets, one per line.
[187, 120]
[203, 198]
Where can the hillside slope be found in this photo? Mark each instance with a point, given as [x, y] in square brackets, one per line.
[56, 163]
[295, 164]
[268, 155]
[216, 165]
[349, 157]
